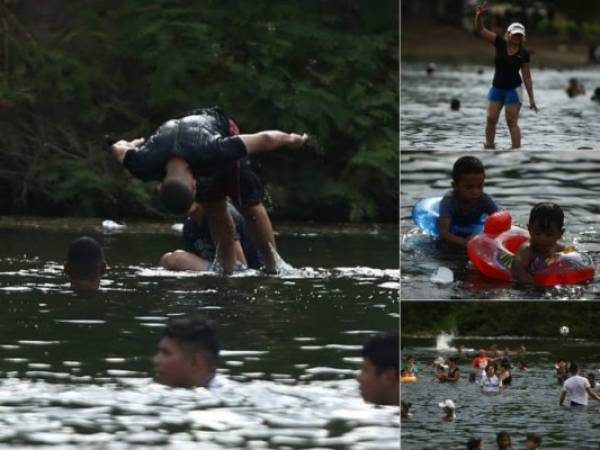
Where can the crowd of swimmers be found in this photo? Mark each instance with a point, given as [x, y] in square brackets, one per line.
[466, 202]
[512, 69]
[493, 368]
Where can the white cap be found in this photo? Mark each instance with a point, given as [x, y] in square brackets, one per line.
[447, 404]
[516, 28]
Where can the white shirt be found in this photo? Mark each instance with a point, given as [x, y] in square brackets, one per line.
[492, 384]
[576, 386]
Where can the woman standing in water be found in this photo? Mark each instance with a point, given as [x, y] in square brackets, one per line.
[506, 87]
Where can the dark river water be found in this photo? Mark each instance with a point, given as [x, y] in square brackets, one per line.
[562, 123]
[517, 181]
[530, 404]
[75, 371]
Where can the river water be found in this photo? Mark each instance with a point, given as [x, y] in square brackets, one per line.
[76, 373]
[530, 404]
[517, 181]
[562, 123]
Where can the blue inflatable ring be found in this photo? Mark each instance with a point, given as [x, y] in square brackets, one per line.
[426, 214]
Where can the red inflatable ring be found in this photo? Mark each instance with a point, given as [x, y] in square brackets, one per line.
[492, 254]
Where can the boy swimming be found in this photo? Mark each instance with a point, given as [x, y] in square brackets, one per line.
[463, 206]
[546, 222]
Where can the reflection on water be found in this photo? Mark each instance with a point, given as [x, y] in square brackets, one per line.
[530, 404]
[561, 124]
[75, 371]
[517, 181]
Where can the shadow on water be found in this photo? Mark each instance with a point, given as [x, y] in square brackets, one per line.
[517, 181]
[76, 371]
[530, 404]
[562, 123]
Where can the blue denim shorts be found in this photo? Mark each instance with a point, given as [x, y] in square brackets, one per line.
[506, 96]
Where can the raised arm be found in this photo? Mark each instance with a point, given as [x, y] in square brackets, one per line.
[486, 34]
[266, 141]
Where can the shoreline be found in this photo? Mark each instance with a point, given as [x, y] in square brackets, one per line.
[427, 42]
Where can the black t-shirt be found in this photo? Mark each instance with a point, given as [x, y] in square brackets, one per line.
[508, 66]
[202, 139]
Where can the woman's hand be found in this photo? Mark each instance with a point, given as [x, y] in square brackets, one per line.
[481, 9]
[533, 106]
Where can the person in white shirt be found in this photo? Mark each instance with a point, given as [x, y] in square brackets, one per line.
[490, 383]
[578, 388]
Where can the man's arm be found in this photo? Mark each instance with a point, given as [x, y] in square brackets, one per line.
[521, 261]
[592, 393]
[563, 394]
[266, 141]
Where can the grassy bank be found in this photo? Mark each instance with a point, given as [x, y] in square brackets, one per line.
[427, 42]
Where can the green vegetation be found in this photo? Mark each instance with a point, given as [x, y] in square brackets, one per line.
[123, 68]
[537, 319]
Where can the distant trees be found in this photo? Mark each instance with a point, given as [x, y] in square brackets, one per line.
[329, 68]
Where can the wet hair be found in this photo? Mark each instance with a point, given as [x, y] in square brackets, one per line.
[533, 438]
[176, 195]
[466, 165]
[454, 359]
[501, 435]
[473, 444]
[547, 213]
[573, 368]
[196, 335]
[455, 104]
[84, 256]
[383, 350]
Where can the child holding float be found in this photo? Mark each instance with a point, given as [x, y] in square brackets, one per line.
[460, 214]
[545, 227]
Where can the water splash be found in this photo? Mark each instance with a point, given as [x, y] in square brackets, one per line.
[442, 342]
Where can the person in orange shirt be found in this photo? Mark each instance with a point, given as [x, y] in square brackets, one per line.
[482, 360]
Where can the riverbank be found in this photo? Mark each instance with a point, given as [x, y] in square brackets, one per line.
[422, 41]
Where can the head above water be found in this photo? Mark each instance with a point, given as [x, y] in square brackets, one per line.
[467, 165]
[379, 375]
[546, 215]
[533, 440]
[455, 104]
[85, 264]
[503, 440]
[188, 353]
[475, 444]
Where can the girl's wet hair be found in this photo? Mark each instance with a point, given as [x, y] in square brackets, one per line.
[547, 213]
[465, 165]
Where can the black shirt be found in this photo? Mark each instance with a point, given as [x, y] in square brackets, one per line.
[508, 66]
[202, 139]
[197, 239]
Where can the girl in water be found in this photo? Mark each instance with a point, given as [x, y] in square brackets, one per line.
[506, 89]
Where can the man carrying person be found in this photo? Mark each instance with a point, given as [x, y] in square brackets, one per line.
[201, 156]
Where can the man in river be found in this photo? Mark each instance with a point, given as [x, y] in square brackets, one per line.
[85, 264]
[202, 156]
[578, 388]
[379, 377]
[188, 354]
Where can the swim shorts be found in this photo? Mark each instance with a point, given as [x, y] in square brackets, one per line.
[239, 182]
[506, 96]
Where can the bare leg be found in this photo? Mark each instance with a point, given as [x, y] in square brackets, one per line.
[493, 114]
[512, 120]
[222, 231]
[261, 231]
[182, 260]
